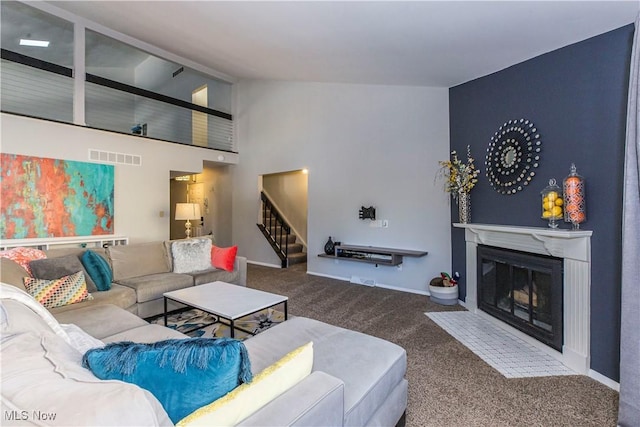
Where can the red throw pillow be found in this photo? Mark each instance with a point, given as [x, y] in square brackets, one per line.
[223, 258]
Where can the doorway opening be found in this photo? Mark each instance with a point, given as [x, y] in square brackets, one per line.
[283, 214]
[211, 190]
[199, 123]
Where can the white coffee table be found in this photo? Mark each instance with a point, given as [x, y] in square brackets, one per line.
[227, 301]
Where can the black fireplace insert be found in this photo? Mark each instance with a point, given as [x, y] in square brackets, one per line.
[523, 290]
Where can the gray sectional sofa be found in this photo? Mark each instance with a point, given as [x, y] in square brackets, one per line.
[142, 272]
[356, 379]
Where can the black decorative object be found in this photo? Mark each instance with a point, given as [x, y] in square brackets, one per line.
[512, 156]
[367, 213]
[329, 247]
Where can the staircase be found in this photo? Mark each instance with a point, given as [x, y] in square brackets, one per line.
[279, 235]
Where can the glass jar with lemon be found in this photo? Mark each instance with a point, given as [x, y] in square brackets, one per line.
[552, 202]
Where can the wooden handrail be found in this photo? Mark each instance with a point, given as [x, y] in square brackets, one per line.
[275, 229]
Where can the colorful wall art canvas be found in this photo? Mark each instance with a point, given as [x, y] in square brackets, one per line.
[54, 198]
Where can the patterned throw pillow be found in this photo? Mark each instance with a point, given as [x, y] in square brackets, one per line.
[57, 267]
[56, 293]
[23, 256]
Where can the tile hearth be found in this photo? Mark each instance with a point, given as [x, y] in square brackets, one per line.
[574, 248]
[508, 354]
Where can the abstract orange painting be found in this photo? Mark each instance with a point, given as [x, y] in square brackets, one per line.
[54, 198]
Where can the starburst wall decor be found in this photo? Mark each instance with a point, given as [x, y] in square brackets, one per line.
[512, 156]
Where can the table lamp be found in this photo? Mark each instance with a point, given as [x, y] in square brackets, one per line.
[187, 211]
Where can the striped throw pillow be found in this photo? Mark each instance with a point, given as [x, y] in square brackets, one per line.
[56, 293]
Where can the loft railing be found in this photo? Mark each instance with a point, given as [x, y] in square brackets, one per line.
[275, 229]
[36, 88]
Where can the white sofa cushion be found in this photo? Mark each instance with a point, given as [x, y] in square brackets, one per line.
[43, 381]
[371, 368]
[41, 374]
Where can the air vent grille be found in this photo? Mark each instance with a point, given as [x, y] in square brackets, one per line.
[118, 158]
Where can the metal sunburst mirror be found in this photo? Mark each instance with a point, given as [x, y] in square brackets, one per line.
[512, 156]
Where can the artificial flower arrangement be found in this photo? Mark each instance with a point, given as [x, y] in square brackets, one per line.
[445, 280]
[460, 177]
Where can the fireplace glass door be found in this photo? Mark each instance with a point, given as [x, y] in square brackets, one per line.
[523, 290]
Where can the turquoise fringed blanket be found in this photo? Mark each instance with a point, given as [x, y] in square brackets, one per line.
[183, 374]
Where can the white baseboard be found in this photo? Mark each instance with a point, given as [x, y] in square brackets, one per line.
[264, 264]
[397, 288]
[343, 279]
[604, 380]
[377, 285]
[464, 304]
[328, 276]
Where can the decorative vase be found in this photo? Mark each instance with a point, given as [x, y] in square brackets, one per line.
[329, 247]
[575, 210]
[464, 208]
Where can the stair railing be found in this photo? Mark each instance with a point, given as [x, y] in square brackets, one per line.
[275, 229]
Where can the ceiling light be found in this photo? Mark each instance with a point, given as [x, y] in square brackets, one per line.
[35, 43]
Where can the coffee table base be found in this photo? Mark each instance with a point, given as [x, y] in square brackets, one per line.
[232, 326]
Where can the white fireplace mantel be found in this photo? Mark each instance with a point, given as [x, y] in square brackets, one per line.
[574, 247]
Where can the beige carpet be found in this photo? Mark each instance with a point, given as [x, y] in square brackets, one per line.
[448, 384]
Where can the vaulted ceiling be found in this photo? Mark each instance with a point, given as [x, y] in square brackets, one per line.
[423, 43]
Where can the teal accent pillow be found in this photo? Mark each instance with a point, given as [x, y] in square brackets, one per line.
[99, 270]
[183, 374]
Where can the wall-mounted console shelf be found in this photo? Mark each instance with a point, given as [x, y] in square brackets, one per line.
[65, 242]
[372, 254]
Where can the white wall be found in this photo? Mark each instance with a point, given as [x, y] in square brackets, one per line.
[218, 190]
[156, 74]
[141, 192]
[363, 145]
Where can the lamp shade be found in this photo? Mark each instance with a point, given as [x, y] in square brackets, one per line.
[187, 211]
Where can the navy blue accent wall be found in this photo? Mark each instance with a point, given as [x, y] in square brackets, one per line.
[577, 98]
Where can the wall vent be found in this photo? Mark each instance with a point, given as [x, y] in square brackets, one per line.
[118, 158]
